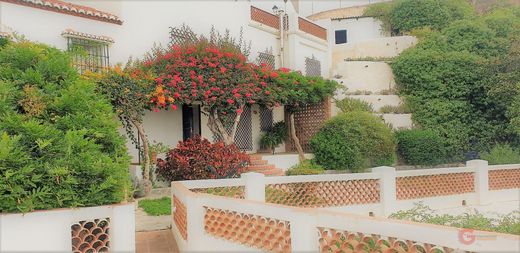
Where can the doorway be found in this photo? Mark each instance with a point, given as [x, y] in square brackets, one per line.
[190, 121]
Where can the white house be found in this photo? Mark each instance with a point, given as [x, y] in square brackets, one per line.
[113, 31]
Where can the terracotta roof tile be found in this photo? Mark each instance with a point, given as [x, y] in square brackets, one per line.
[76, 34]
[70, 9]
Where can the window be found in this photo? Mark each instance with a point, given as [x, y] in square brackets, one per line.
[88, 54]
[341, 36]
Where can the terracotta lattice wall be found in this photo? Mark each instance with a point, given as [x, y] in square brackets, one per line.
[308, 121]
[265, 17]
[504, 179]
[91, 236]
[413, 187]
[332, 240]
[324, 194]
[311, 28]
[180, 217]
[252, 230]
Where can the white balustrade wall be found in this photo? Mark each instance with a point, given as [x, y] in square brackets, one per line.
[330, 212]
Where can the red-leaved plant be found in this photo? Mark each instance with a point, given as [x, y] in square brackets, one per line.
[198, 158]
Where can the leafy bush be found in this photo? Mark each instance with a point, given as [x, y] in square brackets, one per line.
[354, 141]
[420, 147]
[403, 16]
[156, 207]
[198, 158]
[509, 223]
[501, 154]
[399, 109]
[60, 145]
[307, 167]
[349, 104]
[275, 136]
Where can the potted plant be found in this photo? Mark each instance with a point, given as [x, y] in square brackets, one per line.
[273, 137]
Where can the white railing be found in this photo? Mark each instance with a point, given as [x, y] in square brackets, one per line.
[248, 223]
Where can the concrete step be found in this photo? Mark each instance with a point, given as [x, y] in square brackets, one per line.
[258, 162]
[273, 172]
[255, 157]
[259, 168]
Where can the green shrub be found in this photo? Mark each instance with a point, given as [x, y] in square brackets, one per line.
[307, 167]
[60, 145]
[156, 207]
[508, 223]
[274, 136]
[399, 109]
[349, 104]
[354, 141]
[420, 147]
[501, 154]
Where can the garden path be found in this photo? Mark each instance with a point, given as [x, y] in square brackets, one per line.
[160, 241]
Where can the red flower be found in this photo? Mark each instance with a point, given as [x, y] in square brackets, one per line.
[239, 111]
[174, 107]
[223, 70]
[237, 95]
[285, 70]
[274, 74]
[267, 92]
[231, 101]
[248, 95]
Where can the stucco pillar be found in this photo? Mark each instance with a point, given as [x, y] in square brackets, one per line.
[254, 186]
[388, 191]
[304, 236]
[481, 180]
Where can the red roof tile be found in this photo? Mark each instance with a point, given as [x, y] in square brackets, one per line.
[70, 9]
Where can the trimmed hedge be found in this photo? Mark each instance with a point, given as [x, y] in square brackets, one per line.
[420, 147]
[354, 141]
[501, 154]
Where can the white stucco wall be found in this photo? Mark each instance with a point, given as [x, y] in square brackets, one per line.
[375, 48]
[309, 7]
[358, 29]
[398, 120]
[50, 231]
[364, 76]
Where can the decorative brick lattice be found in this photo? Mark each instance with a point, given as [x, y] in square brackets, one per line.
[312, 67]
[252, 230]
[236, 192]
[413, 187]
[91, 236]
[180, 217]
[308, 120]
[504, 179]
[332, 240]
[324, 194]
[311, 28]
[265, 18]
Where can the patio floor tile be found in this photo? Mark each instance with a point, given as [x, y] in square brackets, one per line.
[160, 241]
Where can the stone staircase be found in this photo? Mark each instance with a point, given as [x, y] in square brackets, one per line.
[259, 165]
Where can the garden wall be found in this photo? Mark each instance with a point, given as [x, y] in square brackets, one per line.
[375, 48]
[315, 213]
[65, 230]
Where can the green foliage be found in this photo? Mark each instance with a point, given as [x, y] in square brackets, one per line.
[509, 223]
[460, 82]
[60, 145]
[274, 136]
[420, 147]
[399, 109]
[501, 154]
[307, 167]
[349, 104]
[354, 141]
[156, 207]
[403, 16]
[294, 90]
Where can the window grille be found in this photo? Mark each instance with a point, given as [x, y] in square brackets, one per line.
[88, 55]
[266, 118]
[266, 58]
[312, 67]
[244, 134]
[182, 35]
